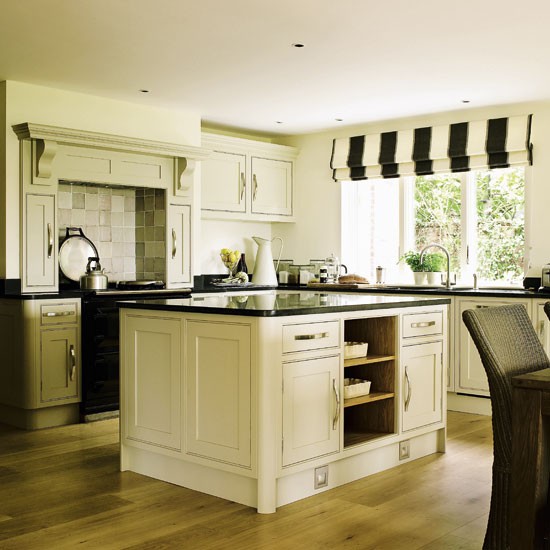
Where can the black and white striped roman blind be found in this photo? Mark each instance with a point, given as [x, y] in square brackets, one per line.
[493, 143]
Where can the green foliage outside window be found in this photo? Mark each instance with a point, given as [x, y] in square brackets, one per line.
[500, 224]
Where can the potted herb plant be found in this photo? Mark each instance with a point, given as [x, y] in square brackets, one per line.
[434, 264]
[412, 259]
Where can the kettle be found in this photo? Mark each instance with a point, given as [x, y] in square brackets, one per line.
[94, 278]
[264, 270]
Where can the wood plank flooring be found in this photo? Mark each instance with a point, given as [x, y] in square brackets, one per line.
[61, 489]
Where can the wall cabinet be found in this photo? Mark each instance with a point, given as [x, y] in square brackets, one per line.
[247, 180]
[311, 408]
[39, 255]
[471, 377]
[179, 241]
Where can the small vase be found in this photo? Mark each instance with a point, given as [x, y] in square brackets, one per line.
[419, 277]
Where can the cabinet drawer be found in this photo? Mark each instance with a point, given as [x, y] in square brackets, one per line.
[57, 314]
[309, 336]
[422, 324]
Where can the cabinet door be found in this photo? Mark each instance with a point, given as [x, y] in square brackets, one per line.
[311, 409]
[151, 380]
[471, 373]
[422, 384]
[40, 252]
[178, 248]
[271, 186]
[218, 395]
[59, 369]
[224, 182]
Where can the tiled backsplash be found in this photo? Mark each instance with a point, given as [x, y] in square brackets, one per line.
[127, 225]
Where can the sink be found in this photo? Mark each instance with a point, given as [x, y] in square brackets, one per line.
[432, 288]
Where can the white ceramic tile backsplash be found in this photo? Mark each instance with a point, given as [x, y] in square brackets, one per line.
[127, 226]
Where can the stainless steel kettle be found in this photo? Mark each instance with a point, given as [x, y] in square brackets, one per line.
[94, 278]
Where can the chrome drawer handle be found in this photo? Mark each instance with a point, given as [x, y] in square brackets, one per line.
[317, 336]
[174, 244]
[409, 390]
[50, 240]
[423, 324]
[243, 185]
[73, 362]
[57, 313]
[337, 398]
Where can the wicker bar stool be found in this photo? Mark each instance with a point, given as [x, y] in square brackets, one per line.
[508, 346]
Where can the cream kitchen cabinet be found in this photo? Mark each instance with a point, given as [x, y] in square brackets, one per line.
[155, 404]
[179, 241]
[247, 180]
[311, 408]
[471, 377]
[41, 375]
[39, 255]
[422, 384]
[218, 394]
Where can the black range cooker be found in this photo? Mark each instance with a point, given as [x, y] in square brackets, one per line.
[100, 341]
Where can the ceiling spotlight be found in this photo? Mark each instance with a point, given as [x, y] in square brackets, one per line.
[298, 45]
[465, 101]
[144, 91]
[279, 121]
[339, 119]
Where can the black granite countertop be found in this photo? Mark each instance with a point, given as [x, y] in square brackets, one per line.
[277, 303]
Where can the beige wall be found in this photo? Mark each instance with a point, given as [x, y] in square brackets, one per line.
[317, 231]
[38, 104]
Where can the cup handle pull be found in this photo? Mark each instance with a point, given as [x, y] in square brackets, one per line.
[174, 244]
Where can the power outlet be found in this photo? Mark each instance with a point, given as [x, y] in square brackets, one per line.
[321, 477]
[404, 449]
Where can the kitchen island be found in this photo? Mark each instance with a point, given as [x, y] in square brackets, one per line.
[246, 396]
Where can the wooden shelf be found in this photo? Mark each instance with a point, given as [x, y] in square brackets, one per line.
[356, 438]
[370, 398]
[368, 360]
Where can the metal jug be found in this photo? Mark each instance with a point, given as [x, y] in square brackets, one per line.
[264, 270]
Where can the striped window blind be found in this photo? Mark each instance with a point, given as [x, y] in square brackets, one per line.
[459, 147]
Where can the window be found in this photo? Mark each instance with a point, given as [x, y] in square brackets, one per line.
[479, 216]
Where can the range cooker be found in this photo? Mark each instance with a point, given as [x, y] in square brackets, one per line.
[100, 344]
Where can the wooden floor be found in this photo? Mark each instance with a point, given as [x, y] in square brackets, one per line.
[61, 488]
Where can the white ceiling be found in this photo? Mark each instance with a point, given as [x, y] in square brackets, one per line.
[233, 62]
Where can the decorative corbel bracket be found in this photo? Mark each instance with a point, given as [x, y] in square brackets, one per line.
[45, 154]
[185, 175]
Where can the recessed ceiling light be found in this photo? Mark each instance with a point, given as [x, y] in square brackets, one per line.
[279, 122]
[144, 91]
[298, 45]
[465, 101]
[339, 119]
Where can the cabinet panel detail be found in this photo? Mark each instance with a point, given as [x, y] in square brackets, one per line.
[422, 384]
[271, 186]
[311, 409]
[59, 368]
[153, 379]
[218, 397]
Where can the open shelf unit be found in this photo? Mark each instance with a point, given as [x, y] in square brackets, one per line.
[371, 416]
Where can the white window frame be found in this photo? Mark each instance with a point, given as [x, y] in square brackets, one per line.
[468, 252]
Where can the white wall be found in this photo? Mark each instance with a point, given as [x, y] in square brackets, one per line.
[38, 104]
[317, 231]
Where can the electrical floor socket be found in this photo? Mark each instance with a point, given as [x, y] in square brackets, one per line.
[404, 449]
[321, 477]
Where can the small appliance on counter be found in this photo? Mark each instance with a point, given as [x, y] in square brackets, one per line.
[545, 277]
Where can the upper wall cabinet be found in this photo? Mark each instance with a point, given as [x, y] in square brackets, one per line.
[247, 180]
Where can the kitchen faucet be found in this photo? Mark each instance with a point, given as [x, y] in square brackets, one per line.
[423, 251]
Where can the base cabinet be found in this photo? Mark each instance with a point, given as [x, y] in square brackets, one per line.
[154, 404]
[422, 385]
[218, 391]
[471, 373]
[311, 408]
